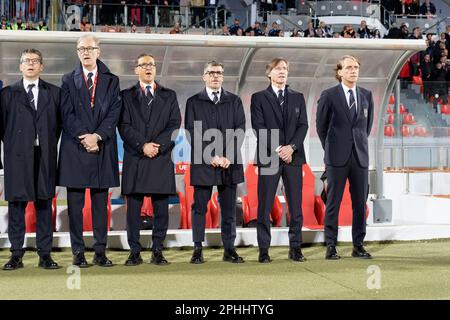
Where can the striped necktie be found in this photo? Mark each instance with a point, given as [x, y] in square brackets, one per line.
[149, 95]
[31, 95]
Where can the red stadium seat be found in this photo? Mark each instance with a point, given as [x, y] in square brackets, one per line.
[406, 131]
[250, 201]
[308, 200]
[390, 119]
[391, 99]
[30, 216]
[389, 110]
[186, 201]
[389, 131]
[87, 211]
[345, 210]
[420, 131]
[403, 109]
[445, 109]
[409, 119]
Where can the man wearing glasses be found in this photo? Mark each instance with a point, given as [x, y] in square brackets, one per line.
[90, 105]
[214, 111]
[150, 116]
[30, 129]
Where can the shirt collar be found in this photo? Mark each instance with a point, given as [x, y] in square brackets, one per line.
[144, 86]
[26, 83]
[276, 89]
[210, 91]
[86, 72]
[347, 88]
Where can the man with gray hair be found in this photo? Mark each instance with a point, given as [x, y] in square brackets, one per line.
[30, 127]
[88, 158]
[220, 113]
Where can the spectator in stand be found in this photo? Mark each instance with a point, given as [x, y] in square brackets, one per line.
[30, 26]
[428, 8]
[198, 11]
[443, 38]
[364, 31]
[235, 27]
[426, 66]
[438, 51]
[439, 87]
[266, 31]
[320, 33]
[348, 32]
[240, 33]
[4, 24]
[327, 31]
[258, 31]
[416, 34]
[164, 12]
[225, 31]
[394, 32]
[133, 28]
[404, 31]
[85, 26]
[336, 35]
[414, 7]
[176, 29]
[275, 31]
[310, 32]
[377, 34]
[250, 28]
[296, 33]
[281, 33]
[149, 11]
[148, 29]
[135, 10]
[42, 26]
[406, 7]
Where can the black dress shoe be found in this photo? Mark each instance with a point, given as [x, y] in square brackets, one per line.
[332, 253]
[46, 262]
[232, 256]
[295, 254]
[264, 256]
[102, 261]
[360, 252]
[79, 260]
[14, 263]
[134, 259]
[197, 256]
[158, 258]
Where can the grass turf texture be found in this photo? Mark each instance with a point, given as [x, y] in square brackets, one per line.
[409, 270]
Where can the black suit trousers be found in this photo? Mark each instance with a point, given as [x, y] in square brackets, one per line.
[358, 180]
[99, 202]
[160, 204]
[16, 226]
[227, 202]
[267, 188]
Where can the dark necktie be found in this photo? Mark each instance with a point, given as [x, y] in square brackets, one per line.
[90, 85]
[352, 106]
[216, 98]
[281, 99]
[149, 95]
[31, 95]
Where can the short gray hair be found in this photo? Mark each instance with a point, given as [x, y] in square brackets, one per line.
[212, 63]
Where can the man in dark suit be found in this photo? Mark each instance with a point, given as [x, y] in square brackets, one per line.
[344, 120]
[219, 113]
[150, 118]
[30, 130]
[88, 158]
[280, 122]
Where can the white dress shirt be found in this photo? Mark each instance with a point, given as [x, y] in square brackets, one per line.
[347, 95]
[210, 91]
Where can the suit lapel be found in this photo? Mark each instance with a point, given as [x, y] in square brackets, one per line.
[137, 101]
[83, 93]
[275, 106]
[22, 95]
[43, 99]
[100, 92]
[157, 108]
[359, 103]
[343, 100]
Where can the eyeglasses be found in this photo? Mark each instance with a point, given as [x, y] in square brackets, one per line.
[214, 73]
[31, 61]
[146, 65]
[88, 49]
